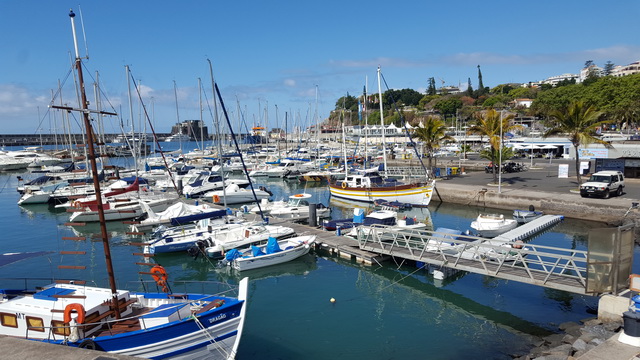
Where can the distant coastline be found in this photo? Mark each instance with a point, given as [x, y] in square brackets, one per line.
[50, 139]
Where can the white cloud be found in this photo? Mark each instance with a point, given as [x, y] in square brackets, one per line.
[15, 100]
[289, 82]
[619, 54]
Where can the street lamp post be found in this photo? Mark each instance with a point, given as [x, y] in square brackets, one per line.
[500, 157]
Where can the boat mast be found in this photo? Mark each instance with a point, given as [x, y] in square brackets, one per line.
[217, 124]
[384, 145]
[366, 121]
[94, 172]
[175, 94]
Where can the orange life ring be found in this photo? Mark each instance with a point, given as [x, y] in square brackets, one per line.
[78, 308]
[216, 198]
[344, 185]
[298, 195]
[159, 275]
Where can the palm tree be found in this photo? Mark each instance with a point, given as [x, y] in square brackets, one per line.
[492, 124]
[580, 123]
[432, 134]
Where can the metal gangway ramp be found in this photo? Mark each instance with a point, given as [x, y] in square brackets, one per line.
[552, 267]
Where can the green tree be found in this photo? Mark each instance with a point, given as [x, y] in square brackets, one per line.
[404, 97]
[496, 101]
[492, 124]
[431, 88]
[469, 87]
[447, 106]
[579, 122]
[523, 93]
[608, 68]
[481, 89]
[433, 134]
[347, 102]
[566, 82]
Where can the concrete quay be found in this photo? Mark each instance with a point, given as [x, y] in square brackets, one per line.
[539, 186]
[14, 348]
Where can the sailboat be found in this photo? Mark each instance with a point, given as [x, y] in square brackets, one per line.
[145, 324]
[369, 185]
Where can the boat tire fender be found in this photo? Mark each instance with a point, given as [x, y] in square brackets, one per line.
[344, 185]
[88, 344]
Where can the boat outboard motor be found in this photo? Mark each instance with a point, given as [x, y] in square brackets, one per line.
[196, 249]
[265, 190]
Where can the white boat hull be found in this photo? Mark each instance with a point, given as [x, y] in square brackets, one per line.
[302, 248]
[489, 226]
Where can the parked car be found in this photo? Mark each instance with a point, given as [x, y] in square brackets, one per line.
[603, 184]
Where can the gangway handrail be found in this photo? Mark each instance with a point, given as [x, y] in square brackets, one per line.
[541, 264]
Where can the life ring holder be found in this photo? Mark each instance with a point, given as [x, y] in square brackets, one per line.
[78, 308]
[344, 185]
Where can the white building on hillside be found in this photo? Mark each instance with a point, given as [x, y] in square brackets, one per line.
[630, 69]
[554, 80]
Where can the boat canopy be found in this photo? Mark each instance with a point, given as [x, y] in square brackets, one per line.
[272, 246]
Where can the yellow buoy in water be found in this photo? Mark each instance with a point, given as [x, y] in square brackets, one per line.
[332, 300]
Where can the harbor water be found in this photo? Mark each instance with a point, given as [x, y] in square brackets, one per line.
[381, 312]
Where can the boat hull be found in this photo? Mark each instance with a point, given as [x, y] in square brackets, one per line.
[281, 257]
[414, 194]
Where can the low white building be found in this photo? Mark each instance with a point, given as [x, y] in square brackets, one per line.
[630, 69]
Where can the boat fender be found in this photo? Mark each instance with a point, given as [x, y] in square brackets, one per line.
[78, 308]
[88, 344]
[344, 185]
[518, 244]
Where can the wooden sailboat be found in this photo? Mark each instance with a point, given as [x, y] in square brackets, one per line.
[369, 185]
[144, 324]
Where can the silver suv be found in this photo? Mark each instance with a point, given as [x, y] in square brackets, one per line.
[603, 183]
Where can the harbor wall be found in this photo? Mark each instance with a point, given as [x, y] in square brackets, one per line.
[611, 211]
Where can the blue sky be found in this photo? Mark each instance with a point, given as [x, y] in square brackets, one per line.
[282, 53]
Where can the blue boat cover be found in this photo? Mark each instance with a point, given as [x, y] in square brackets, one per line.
[232, 254]
[256, 251]
[49, 294]
[131, 179]
[180, 220]
[272, 246]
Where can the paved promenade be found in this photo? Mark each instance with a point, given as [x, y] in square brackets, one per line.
[538, 186]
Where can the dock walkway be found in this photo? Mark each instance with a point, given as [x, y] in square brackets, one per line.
[529, 229]
[343, 246]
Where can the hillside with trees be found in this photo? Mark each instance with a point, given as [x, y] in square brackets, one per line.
[617, 98]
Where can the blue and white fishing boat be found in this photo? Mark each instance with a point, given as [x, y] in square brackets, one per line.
[154, 325]
[273, 253]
